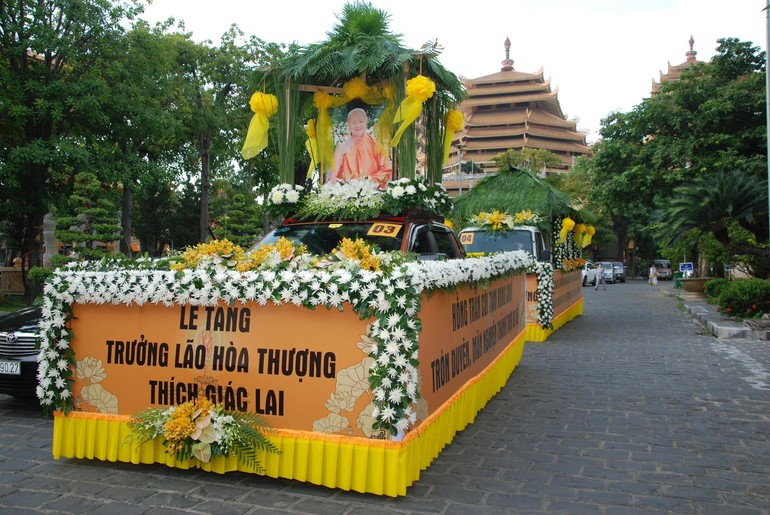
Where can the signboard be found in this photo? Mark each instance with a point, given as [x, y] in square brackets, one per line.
[685, 267]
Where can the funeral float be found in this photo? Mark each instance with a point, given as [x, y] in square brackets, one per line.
[515, 209]
[351, 369]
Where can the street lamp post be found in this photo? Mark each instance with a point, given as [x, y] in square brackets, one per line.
[767, 101]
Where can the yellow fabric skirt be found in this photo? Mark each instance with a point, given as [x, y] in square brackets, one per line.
[535, 333]
[362, 465]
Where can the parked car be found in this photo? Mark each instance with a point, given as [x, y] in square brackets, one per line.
[18, 352]
[664, 269]
[620, 271]
[608, 270]
[589, 273]
[428, 238]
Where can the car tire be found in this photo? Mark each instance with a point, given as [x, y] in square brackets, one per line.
[594, 283]
[584, 281]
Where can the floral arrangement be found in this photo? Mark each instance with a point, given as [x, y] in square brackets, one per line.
[390, 296]
[284, 199]
[527, 217]
[202, 430]
[544, 273]
[566, 252]
[358, 199]
[495, 221]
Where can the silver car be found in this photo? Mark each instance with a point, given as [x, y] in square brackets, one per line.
[620, 271]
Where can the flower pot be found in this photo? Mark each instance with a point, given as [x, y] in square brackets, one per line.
[693, 284]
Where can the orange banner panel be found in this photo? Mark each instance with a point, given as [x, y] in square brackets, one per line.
[567, 289]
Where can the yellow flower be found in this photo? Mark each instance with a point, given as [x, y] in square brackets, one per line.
[285, 249]
[454, 121]
[264, 103]
[496, 220]
[420, 88]
[524, 216]
[360, 251]
[355, 88]
[322, 100]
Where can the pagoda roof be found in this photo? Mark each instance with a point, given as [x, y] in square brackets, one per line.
[507, 89]
[515, 116]
[534, 130]
[505, 77]
[675, 71]
[545, 96]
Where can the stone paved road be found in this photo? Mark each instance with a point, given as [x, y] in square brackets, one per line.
[630, 408]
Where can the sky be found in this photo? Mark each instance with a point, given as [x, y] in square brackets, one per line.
[601, 56]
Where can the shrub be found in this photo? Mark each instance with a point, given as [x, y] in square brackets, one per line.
[714, 287]
[748, 298]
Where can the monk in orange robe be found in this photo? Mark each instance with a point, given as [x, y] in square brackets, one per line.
[360, 155]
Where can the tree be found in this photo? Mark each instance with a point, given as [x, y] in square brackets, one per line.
[93, 224]
[710, 205]
[536, 159]
[49, 52]
[712, 119]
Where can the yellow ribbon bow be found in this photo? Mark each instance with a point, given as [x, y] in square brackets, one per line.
[580, 230]
[566, 226]
[263, 105]
[418, 90]
[311, 144]
[454, 122]
[590, 231]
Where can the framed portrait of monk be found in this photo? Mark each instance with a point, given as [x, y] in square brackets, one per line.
[358, 152]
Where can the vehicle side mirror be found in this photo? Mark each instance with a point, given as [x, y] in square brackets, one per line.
[545, 255]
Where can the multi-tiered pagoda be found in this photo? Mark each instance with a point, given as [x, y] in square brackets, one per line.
[675, 71]
[513, 110]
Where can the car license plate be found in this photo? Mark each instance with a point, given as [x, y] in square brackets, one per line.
[10, 367]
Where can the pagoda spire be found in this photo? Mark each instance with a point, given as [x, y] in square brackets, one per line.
[692, 53]
[507, 62]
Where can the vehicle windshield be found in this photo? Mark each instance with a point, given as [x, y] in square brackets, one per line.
[322, 238]
[497, 241]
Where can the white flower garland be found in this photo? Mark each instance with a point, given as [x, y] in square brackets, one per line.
[544, 272]
[392, 299]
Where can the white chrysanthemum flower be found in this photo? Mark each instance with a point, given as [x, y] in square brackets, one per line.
[388, 414]
[396, 395]
[276, 197]
[292, 197]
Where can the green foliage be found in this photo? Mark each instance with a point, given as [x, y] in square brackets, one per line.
[714, 287]
[39, 273]
[533, 158]
[748, 298]
[236, 215]
[94, 224]
[710, 122]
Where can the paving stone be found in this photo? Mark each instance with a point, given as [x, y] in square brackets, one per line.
[648, 414]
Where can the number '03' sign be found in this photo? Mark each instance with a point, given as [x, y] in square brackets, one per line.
[383, 229]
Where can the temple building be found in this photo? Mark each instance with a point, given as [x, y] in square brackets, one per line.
[512, 110]
[674, 72]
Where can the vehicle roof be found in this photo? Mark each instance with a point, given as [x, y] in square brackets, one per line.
[482, 229]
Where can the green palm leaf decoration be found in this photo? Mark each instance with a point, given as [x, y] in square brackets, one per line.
[514, 190]
[362, 45]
